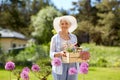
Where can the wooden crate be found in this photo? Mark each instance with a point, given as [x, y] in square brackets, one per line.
[72, 58]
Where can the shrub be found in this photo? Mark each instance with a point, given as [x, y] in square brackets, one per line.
[102, 62]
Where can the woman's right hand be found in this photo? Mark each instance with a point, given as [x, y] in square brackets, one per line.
[60, 54]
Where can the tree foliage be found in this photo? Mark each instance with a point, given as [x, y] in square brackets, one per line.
[109, 21]
[42, 23]
[16, 13]
[100, 21]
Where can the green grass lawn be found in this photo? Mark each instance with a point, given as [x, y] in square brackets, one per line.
[95, 73]
[111, 72]
[102, 74]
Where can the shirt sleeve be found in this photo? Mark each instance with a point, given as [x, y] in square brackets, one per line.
[52, 47]
[74, 38]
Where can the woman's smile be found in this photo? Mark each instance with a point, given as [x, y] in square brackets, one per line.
[64, 24]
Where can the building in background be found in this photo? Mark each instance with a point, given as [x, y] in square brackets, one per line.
[11, 39]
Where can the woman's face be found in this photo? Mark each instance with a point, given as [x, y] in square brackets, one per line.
[64, 24]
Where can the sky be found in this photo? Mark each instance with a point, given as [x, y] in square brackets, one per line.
[65, 4]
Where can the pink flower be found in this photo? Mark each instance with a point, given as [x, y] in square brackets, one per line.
[35, 68]
[84, 68]
[84, 64]
[10, 65]
[24, 75]
[56, 62]
[26, 69]
[72, 71]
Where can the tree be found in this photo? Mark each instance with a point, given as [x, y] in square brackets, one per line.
[42, 23]
[100, 21]
[109, 21]
[15, 14]
[84, 17]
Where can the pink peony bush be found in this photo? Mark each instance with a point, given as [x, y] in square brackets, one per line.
[35, 68]
[72, 71]
[26, 69]
[10, 66]
[56, 62]
[24, 74]
[84, 68]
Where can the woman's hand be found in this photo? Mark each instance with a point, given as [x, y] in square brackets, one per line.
[64, 54]
[60, 54]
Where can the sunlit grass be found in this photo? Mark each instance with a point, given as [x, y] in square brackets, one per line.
[95, 73]
[102, 74]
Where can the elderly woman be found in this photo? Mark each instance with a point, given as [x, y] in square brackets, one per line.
[64, 26]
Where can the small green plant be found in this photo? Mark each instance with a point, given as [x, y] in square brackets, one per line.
[102, 62]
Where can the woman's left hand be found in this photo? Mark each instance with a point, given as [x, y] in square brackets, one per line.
[64, 54]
